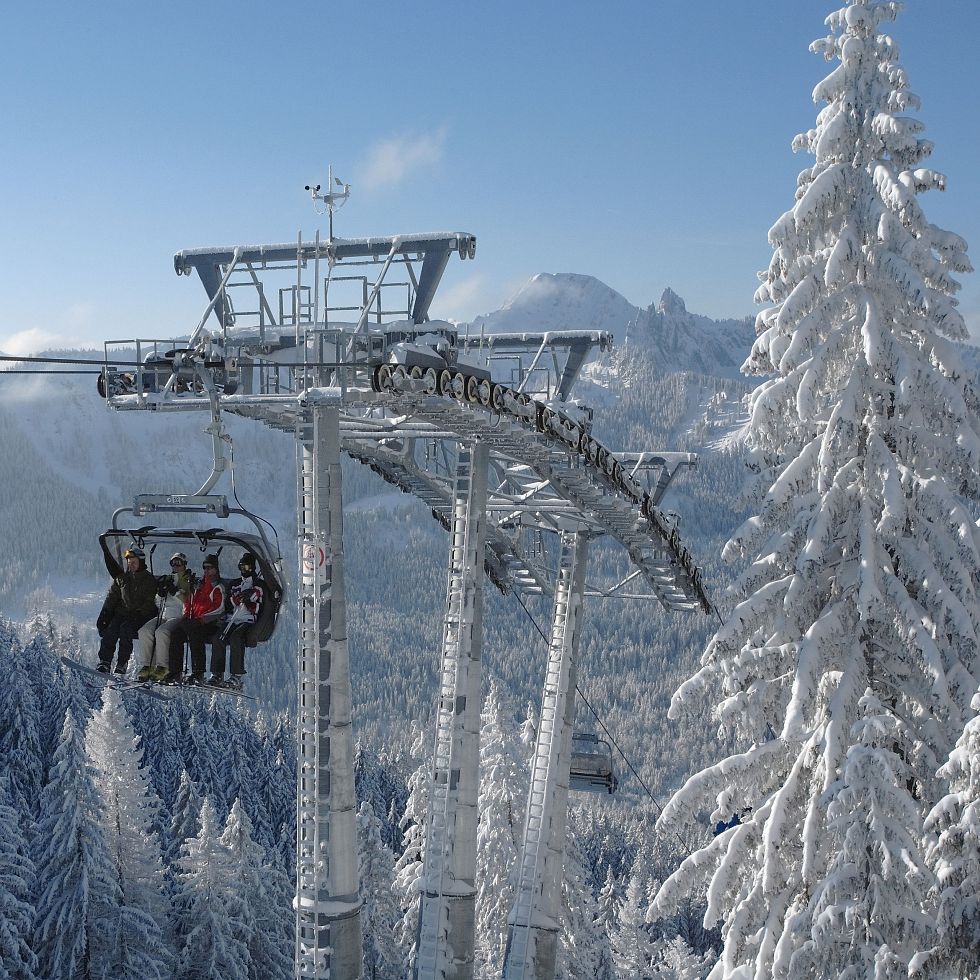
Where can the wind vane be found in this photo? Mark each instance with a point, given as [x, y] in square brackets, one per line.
[332, 200]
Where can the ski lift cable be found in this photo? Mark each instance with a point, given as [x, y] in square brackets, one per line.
[51, 360]
[688, 849]
[597, 718]
[133, 364]
[234, 492]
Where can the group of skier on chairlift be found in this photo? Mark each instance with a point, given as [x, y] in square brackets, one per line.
[163, 612]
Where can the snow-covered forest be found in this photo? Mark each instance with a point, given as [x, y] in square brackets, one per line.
[813, 759]
[143, 839]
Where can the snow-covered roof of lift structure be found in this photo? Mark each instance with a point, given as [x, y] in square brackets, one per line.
[433, 248]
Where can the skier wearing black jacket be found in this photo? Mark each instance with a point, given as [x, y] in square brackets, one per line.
[245, 597]
[130, 602]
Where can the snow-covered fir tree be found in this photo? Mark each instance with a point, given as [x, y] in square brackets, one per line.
[409, 866]
[186, 820]
[954, 855]
[202, 748]
[528, 732]
[632, 948]
[876, 885]
[77, 897]
[17, 891]
[582, 945]
[863, 570]
[280, 793]
[53, 694]
[236, 763]
[379, 911]
[210, 915]
[266, 894]
[20, 725]
[128, 815]
[608, 902]
[498, 842]
[675, 960]
[160, 737]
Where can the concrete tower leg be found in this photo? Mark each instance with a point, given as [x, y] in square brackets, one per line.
[533, 924]
[447, 916]
[328, 908]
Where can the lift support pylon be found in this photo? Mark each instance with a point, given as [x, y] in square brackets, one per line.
[533, 924]
[328, 908]
[447, 917]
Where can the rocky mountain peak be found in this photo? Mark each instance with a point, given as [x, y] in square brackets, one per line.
[671, 303]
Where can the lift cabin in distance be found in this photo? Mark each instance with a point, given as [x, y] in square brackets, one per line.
[591, 769]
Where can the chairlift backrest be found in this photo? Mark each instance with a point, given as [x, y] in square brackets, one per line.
[591, 768]
[265, 622]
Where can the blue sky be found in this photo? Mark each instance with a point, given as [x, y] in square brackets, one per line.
[645, 143]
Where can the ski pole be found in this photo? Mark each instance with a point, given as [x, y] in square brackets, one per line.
[231, 620]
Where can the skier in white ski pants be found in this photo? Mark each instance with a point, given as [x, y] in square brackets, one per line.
[154, 636]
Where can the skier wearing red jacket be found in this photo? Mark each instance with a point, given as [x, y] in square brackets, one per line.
[203, 610]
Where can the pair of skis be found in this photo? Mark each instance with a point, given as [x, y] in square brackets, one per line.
[122, 683]
[118, 681]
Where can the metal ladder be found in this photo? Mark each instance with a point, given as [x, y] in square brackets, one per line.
[539, 879]
[449, 874]
[312, 943]
[328, 927]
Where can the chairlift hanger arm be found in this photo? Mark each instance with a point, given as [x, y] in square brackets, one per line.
[216, 430]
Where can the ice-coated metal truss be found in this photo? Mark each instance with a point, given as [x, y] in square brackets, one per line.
[532, 926]
[447, 915]
[332, 341]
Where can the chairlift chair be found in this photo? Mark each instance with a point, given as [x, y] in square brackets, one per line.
[591, 768]
[204, 503]
[150, 537]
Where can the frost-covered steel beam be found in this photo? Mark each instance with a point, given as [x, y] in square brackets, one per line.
[505, 565]
[531, 340]
[211, 276]
[652, 543]
[433, 266]
[577, 346]
[434, 248]
[577, 353]
[376, 248]
[447, 916]
[328, 907]
[532, 926]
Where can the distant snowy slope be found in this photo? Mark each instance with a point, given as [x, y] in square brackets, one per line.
[564, 301]
[115, 455]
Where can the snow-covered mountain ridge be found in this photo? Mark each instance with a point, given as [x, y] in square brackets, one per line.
[677, 339]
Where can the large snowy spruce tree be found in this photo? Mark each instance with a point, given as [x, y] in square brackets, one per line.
[847, 667]
[954, 852]
[127, 811]
[76, 899]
